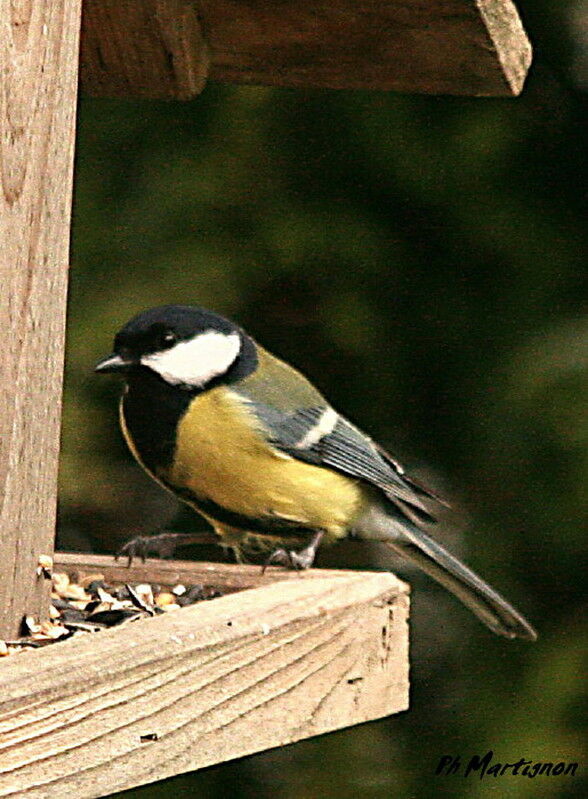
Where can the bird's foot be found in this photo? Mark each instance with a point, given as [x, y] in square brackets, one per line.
[162, 545]
[295, 560]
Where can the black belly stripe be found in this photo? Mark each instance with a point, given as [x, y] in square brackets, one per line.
[152, 410]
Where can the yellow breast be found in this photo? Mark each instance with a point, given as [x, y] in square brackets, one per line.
[220, 456]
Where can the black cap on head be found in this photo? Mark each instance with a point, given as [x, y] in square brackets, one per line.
[159, 328]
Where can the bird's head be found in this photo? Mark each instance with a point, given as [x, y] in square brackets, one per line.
[183, 345]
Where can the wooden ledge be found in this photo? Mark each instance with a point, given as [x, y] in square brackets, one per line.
[171, 572]
[294, 657]
[166, 48]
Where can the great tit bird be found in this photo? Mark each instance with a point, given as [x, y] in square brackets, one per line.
[250, 444]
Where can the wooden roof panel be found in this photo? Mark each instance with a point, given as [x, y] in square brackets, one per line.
[164, 48]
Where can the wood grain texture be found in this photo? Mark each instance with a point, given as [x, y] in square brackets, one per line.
[188, 572]
[431, 46]
[509, 40]
[142, 48]
[38, 93]
[214, 681]
[470, 47]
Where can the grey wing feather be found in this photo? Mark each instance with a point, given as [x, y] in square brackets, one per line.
[345, 449]
[350, 451]
[287, 429]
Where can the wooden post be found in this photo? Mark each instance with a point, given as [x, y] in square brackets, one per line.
[38, 86]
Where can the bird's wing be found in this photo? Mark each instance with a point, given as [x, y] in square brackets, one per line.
[299, 422]
[319, 435]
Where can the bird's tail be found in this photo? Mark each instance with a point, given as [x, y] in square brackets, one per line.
[406, 539]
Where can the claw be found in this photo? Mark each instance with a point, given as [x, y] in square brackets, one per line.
[135, 548]
[295, 560]
[281, 557]
[162, 545]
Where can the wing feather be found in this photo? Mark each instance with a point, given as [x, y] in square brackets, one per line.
[343, 448]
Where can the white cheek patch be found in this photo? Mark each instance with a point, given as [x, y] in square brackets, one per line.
[197, 361]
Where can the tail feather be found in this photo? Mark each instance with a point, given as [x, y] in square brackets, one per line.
[412, 543]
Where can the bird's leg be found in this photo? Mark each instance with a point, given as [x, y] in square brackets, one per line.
[305, 558]
[162, 545]
[296, 560]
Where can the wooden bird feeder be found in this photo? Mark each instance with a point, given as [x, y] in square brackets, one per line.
[288, 656]
[282, 660]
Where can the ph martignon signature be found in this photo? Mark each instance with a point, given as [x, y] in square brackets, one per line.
[486, 766]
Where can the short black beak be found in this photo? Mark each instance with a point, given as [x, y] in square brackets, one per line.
[113, 363]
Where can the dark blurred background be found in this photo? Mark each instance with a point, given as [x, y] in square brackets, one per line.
[423, 260]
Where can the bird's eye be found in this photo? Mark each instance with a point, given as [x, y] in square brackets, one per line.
[168, 338]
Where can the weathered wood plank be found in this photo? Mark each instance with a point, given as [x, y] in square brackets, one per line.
[172, 572]
[508, 39]
[38, 85]
[143, 48]
[431, 46]
[470, 47]
[214, 681]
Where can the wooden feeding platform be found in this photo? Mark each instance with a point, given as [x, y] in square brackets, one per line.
[281, 656]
